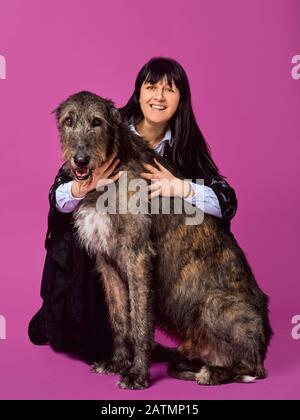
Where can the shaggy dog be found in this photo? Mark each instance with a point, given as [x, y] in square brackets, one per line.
[191, 280]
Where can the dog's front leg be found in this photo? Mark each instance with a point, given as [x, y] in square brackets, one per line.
[142, 320]
[116, 292]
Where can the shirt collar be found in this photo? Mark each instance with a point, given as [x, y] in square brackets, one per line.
[167, 137]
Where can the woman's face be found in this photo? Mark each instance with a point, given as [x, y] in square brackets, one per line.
[159, 101]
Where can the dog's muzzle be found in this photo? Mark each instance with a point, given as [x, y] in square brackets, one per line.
[81, 168]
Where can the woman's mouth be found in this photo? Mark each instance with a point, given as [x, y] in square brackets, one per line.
[158, 107]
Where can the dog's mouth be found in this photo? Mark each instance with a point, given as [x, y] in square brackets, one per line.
[82, 173]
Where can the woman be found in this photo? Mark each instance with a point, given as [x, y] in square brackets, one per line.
[73, 317]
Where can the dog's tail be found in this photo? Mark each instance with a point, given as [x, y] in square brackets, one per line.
[258, 373]
[213, 375]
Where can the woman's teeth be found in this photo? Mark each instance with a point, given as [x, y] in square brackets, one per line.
[158, 107]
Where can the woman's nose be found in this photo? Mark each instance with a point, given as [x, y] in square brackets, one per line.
[160, 95]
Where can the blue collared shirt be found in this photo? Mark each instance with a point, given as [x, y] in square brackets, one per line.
[160, 148]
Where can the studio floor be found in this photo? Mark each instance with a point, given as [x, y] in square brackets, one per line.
[37, 372]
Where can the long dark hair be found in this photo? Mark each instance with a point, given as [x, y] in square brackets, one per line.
[190, 152]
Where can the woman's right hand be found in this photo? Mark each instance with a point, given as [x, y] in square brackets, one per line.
[100, 173]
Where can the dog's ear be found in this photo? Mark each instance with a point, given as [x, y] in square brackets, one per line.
[113, 112]
[57, 112]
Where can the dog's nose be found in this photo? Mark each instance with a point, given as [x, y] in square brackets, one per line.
[81, 160]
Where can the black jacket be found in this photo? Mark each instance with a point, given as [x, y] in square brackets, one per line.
[74, 317]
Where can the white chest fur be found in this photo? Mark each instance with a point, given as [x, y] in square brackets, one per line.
[94, 229]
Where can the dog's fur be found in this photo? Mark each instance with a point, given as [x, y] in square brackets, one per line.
[192, 281]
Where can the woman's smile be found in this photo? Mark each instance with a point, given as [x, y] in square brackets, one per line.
[156, 107]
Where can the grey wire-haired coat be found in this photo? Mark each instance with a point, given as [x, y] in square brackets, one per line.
[192, 280]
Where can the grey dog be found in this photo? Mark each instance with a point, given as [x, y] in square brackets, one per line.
[191, 280]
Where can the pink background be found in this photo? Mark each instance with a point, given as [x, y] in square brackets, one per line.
[237, 54]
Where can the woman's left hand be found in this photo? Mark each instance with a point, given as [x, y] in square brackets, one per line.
[164, 183]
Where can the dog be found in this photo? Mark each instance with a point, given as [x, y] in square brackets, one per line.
[193, 281]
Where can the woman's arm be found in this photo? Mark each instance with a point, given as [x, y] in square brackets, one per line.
[62, 177]
[54, 220]
[204, 198]
[66, 202]
[218, 197]
[225, 194]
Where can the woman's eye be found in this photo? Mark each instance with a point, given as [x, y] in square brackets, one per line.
[96, 122]
[68, 122]
[150, 87]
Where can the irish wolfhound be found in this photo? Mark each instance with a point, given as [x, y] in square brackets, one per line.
[192, 281]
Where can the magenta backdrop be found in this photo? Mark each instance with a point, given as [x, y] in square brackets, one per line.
[237, 54]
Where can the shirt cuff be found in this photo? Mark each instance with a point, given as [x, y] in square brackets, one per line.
[65, 201]
[206, 198]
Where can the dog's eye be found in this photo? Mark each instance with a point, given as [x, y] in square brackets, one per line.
[68, 122]
[96, 122]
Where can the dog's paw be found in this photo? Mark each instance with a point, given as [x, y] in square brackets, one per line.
[132, 380]
[203, 377]
[108, 367]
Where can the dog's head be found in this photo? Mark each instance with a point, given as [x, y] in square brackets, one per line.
[88, 126]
